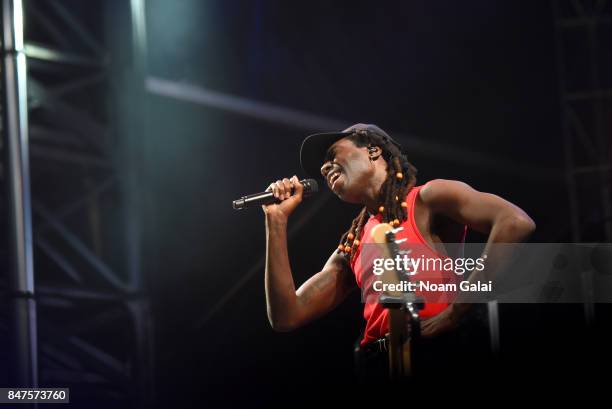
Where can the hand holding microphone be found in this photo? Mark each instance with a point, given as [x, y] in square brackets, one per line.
[281, 197]
[288, 194]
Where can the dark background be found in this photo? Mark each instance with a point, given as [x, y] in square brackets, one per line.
[478, 78]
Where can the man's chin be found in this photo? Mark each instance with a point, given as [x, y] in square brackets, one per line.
[346, 197]
[339, 194]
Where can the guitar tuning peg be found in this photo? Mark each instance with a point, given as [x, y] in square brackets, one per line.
[400, 241]
[404, 252]
[397, 230]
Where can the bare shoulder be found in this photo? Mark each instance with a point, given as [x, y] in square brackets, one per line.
[437, 190]
[479, 210]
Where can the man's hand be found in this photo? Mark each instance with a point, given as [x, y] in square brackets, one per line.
[445, 321]
[282, 191]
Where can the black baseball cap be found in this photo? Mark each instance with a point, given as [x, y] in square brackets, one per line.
[314, 147]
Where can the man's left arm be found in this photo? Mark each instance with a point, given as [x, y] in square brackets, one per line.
[502, 221]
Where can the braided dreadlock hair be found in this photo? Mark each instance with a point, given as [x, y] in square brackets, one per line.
[401, 177]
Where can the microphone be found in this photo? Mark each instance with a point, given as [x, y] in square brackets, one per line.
[265, 198]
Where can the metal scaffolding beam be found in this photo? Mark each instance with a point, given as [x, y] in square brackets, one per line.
[586, 105]
[16, 156]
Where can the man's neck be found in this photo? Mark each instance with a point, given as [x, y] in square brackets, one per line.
[372, 195]
[372, 201]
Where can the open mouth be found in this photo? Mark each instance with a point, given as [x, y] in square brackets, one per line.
[332, 177]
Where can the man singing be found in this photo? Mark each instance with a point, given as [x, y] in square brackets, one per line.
[364, 165]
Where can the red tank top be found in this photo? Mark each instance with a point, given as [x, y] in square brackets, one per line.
[375, 315]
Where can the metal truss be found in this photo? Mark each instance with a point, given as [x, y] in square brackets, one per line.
[94, 323]
[583, 32]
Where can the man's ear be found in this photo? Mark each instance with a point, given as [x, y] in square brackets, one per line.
[374, 152]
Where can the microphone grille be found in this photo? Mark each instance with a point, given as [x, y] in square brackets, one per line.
[310, 186]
